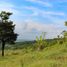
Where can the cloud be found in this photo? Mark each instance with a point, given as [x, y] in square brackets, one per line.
[10, 7]
[37, 11]
[31, 29]
[40, 26]
[53, 13]
[53, 16]
[58, 1]
[43, 3]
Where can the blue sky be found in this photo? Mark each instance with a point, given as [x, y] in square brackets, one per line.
[32, 17]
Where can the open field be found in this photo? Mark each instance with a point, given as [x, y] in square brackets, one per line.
[53, 56]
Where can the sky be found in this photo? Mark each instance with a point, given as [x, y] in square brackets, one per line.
[32, 17]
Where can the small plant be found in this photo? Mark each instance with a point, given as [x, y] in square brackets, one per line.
[41, 42]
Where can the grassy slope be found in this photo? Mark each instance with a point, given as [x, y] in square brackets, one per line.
[54, 56]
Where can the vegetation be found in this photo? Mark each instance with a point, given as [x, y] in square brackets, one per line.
[47, 52]
[6, 30]
[40, 42]
[52, 56]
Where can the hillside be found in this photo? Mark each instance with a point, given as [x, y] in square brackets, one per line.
[53, 56]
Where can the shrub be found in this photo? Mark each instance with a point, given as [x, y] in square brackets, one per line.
[40, 42]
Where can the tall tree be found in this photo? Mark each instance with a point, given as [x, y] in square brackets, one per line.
[65, 23]
[7, 34]
[65, 33]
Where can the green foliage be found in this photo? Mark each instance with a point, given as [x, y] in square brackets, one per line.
[53, 56]
[5, 16]
[40, 42]
[63, 39]
[64, 33]
[65, 23]
[7, 27]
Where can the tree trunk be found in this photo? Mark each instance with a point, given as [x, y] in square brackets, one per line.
[3, 45]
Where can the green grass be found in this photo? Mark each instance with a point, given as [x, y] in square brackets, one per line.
[53, 56]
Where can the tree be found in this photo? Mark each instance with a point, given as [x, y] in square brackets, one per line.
[7, 34]
[65, 23]
[65, 32]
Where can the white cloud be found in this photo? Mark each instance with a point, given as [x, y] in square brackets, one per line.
[29, 29]
[41, 3]
[53, 16]
[25, 29]
[6, 6]
[40, 26]
[32, 28]
[37, 11]
[53, 13]
[58, 1]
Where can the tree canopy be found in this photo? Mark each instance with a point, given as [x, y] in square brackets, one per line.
[7, 28]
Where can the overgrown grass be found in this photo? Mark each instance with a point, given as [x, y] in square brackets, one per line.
[53, 56]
